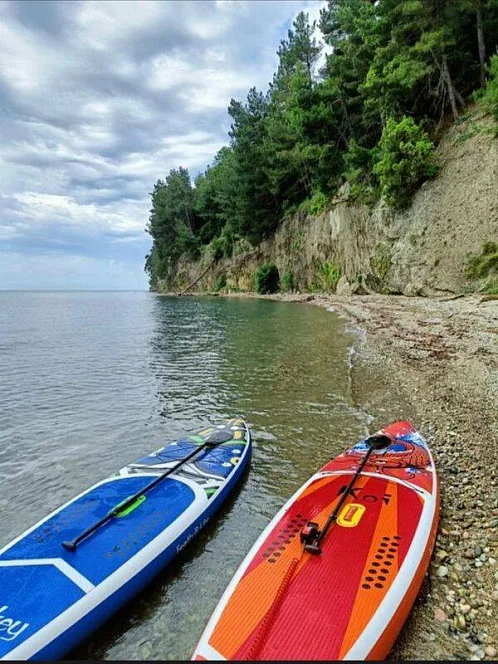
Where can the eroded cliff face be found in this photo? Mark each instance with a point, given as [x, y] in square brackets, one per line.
[418, 251]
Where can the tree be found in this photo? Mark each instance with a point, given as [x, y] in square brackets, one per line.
[300, 49]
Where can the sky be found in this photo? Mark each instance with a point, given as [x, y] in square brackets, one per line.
[98, 100]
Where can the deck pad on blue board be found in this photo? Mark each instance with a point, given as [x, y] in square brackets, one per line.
[45, 589]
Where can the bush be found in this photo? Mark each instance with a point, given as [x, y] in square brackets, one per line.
[489, 96]
[328, 276]
[314, 205]
[381, 261]
[403, 160]
[491, 287]
[287, 281]
[267, 279]
[222, 245]
[220, 282]
[480, 266]
[359, 173]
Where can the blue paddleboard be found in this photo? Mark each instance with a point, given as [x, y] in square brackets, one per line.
[52, 598]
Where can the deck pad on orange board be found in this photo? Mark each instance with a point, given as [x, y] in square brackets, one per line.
[350, 601]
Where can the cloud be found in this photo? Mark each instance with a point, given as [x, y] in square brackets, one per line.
[99, 100]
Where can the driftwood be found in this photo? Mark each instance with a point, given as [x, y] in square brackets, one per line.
[198, 279]
[454, 297]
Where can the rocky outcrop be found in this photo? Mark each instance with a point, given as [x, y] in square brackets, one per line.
[418, 251]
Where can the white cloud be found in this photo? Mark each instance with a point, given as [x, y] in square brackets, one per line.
[101, 24]
[49, 209]
[100, 99]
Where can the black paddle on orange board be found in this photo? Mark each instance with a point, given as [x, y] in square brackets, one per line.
[311, 535]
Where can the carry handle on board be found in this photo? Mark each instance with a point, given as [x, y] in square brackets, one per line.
[216, 438]
[311, 535]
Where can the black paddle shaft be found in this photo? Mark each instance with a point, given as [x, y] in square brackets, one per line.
[375, 442]
[216, 439]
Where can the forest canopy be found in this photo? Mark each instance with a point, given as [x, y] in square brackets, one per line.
[369, 116]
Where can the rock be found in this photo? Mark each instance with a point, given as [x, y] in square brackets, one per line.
[464, 609]
[440, 615]
[490, 651]
[441, 555]
[442, 571]
[414, 289]
[343, 286]
[357, 289]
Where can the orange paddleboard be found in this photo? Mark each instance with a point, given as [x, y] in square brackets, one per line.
[346, 594]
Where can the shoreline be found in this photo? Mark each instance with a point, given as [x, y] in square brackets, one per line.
[435, 362]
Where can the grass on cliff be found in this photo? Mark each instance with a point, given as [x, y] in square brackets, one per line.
[484, 266]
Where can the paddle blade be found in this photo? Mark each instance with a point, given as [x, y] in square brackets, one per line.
[378, 441]
[219, 436]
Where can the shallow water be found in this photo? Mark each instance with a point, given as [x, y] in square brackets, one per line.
[92, 381]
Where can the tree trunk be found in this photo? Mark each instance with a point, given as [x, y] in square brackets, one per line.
[198, 279]
[482, 45]
[449, 87]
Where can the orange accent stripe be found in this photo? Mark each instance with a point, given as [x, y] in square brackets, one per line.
[388, 637]
[368, 600]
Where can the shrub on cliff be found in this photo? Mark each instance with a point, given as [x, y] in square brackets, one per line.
[267, 279]
[485, 264]
[404, 159]
[220, 282]
[489, 96]
[328, 276]
[287, 281]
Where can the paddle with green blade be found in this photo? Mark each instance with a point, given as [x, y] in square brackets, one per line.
[213, 440]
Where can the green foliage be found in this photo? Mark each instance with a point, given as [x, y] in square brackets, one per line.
[405, 159]
[485, 264]
[491, 287]
[359, 173]
[382, 261]
[267, 279]
[489, 96]
[222, 245]
[315, 205]
[220, 282]
[287, 282]
[328, 275]
[396, 69]
[297, 240]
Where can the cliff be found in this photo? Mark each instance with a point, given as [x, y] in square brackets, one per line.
[421, 250]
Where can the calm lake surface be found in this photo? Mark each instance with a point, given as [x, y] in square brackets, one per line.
[90, 381]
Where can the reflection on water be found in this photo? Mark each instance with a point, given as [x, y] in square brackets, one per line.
[91, 381]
